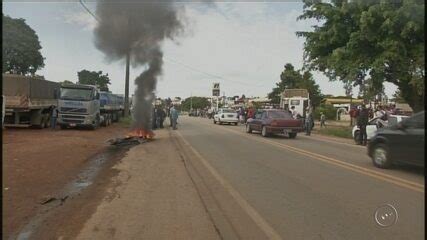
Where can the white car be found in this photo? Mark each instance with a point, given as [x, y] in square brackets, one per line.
[373, 125]
[225, 115]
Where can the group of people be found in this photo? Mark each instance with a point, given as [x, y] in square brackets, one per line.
[362, 114]
[160, 114]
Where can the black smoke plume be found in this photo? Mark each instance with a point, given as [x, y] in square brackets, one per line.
[138, 28]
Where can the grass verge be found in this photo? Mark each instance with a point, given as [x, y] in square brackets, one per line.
[343, 132]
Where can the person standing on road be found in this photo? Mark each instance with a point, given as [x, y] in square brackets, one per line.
[362, 121]
[53, 117]
[322, 120]
[251, 112]
[162, 116]
[154, 118]
[174, 117]
[308, 121]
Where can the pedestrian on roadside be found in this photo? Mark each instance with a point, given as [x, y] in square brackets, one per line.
[251, 112]
[53, 117]
[162, 117]
[154, 118]
[322, 120]
[308, 121]
[362, 121]
[174, 117]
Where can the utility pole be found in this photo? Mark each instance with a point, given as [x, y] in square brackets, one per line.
[127, 85]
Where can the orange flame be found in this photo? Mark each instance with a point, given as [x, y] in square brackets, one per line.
[141, 133]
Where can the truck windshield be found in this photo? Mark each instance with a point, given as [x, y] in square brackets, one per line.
[76, 94]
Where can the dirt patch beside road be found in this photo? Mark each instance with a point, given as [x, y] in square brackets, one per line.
[38, 163]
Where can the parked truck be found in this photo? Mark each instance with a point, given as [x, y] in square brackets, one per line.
[29, 100]
[111, 107]
[298, 98]
[85, 106]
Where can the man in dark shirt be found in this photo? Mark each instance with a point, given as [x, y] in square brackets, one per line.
[362, 121]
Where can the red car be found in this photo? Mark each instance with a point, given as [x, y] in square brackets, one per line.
[273, 121]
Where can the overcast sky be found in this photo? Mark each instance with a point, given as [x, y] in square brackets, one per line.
[243, 46]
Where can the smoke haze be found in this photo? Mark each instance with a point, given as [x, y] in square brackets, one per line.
[138, 27]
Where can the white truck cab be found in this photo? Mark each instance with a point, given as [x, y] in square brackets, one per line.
[297, 98]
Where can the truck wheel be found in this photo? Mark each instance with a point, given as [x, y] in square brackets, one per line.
[95, 125]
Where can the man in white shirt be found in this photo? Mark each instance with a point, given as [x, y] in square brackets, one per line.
[294, 112]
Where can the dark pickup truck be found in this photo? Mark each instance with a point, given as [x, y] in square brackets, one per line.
[272, 121]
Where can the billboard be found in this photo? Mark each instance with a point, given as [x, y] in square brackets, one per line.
[215, 89]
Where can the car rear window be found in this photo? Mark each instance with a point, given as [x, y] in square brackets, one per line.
[279, 114]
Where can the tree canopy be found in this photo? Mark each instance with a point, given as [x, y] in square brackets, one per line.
[94, 78]
[196, 102]
[291, 78]
[21, 47]
[66, 82]
[369, 42]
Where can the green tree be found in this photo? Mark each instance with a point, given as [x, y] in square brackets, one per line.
[66, 82]
[291, 78]
[94, 78]
[196, 102]
[369, 42]
[21, 47]
[397, 97]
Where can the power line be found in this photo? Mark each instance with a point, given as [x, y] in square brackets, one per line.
[87, 9]
[205, 73]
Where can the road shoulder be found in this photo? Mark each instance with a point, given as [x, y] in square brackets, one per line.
[154, 198]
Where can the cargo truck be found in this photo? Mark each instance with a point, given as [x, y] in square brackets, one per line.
[298, 98]
[85, 106]
[29, 100]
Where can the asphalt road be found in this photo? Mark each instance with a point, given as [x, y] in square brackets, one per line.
[309, 187]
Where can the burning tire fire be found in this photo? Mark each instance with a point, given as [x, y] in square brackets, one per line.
[135, 137]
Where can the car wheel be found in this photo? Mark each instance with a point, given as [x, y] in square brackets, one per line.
[264, 131]
[356, 136]
[380, 156]
[292, 135]
[63, 126]
[219, 122]
[248, 128]
[235, 124]
[214, 121]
